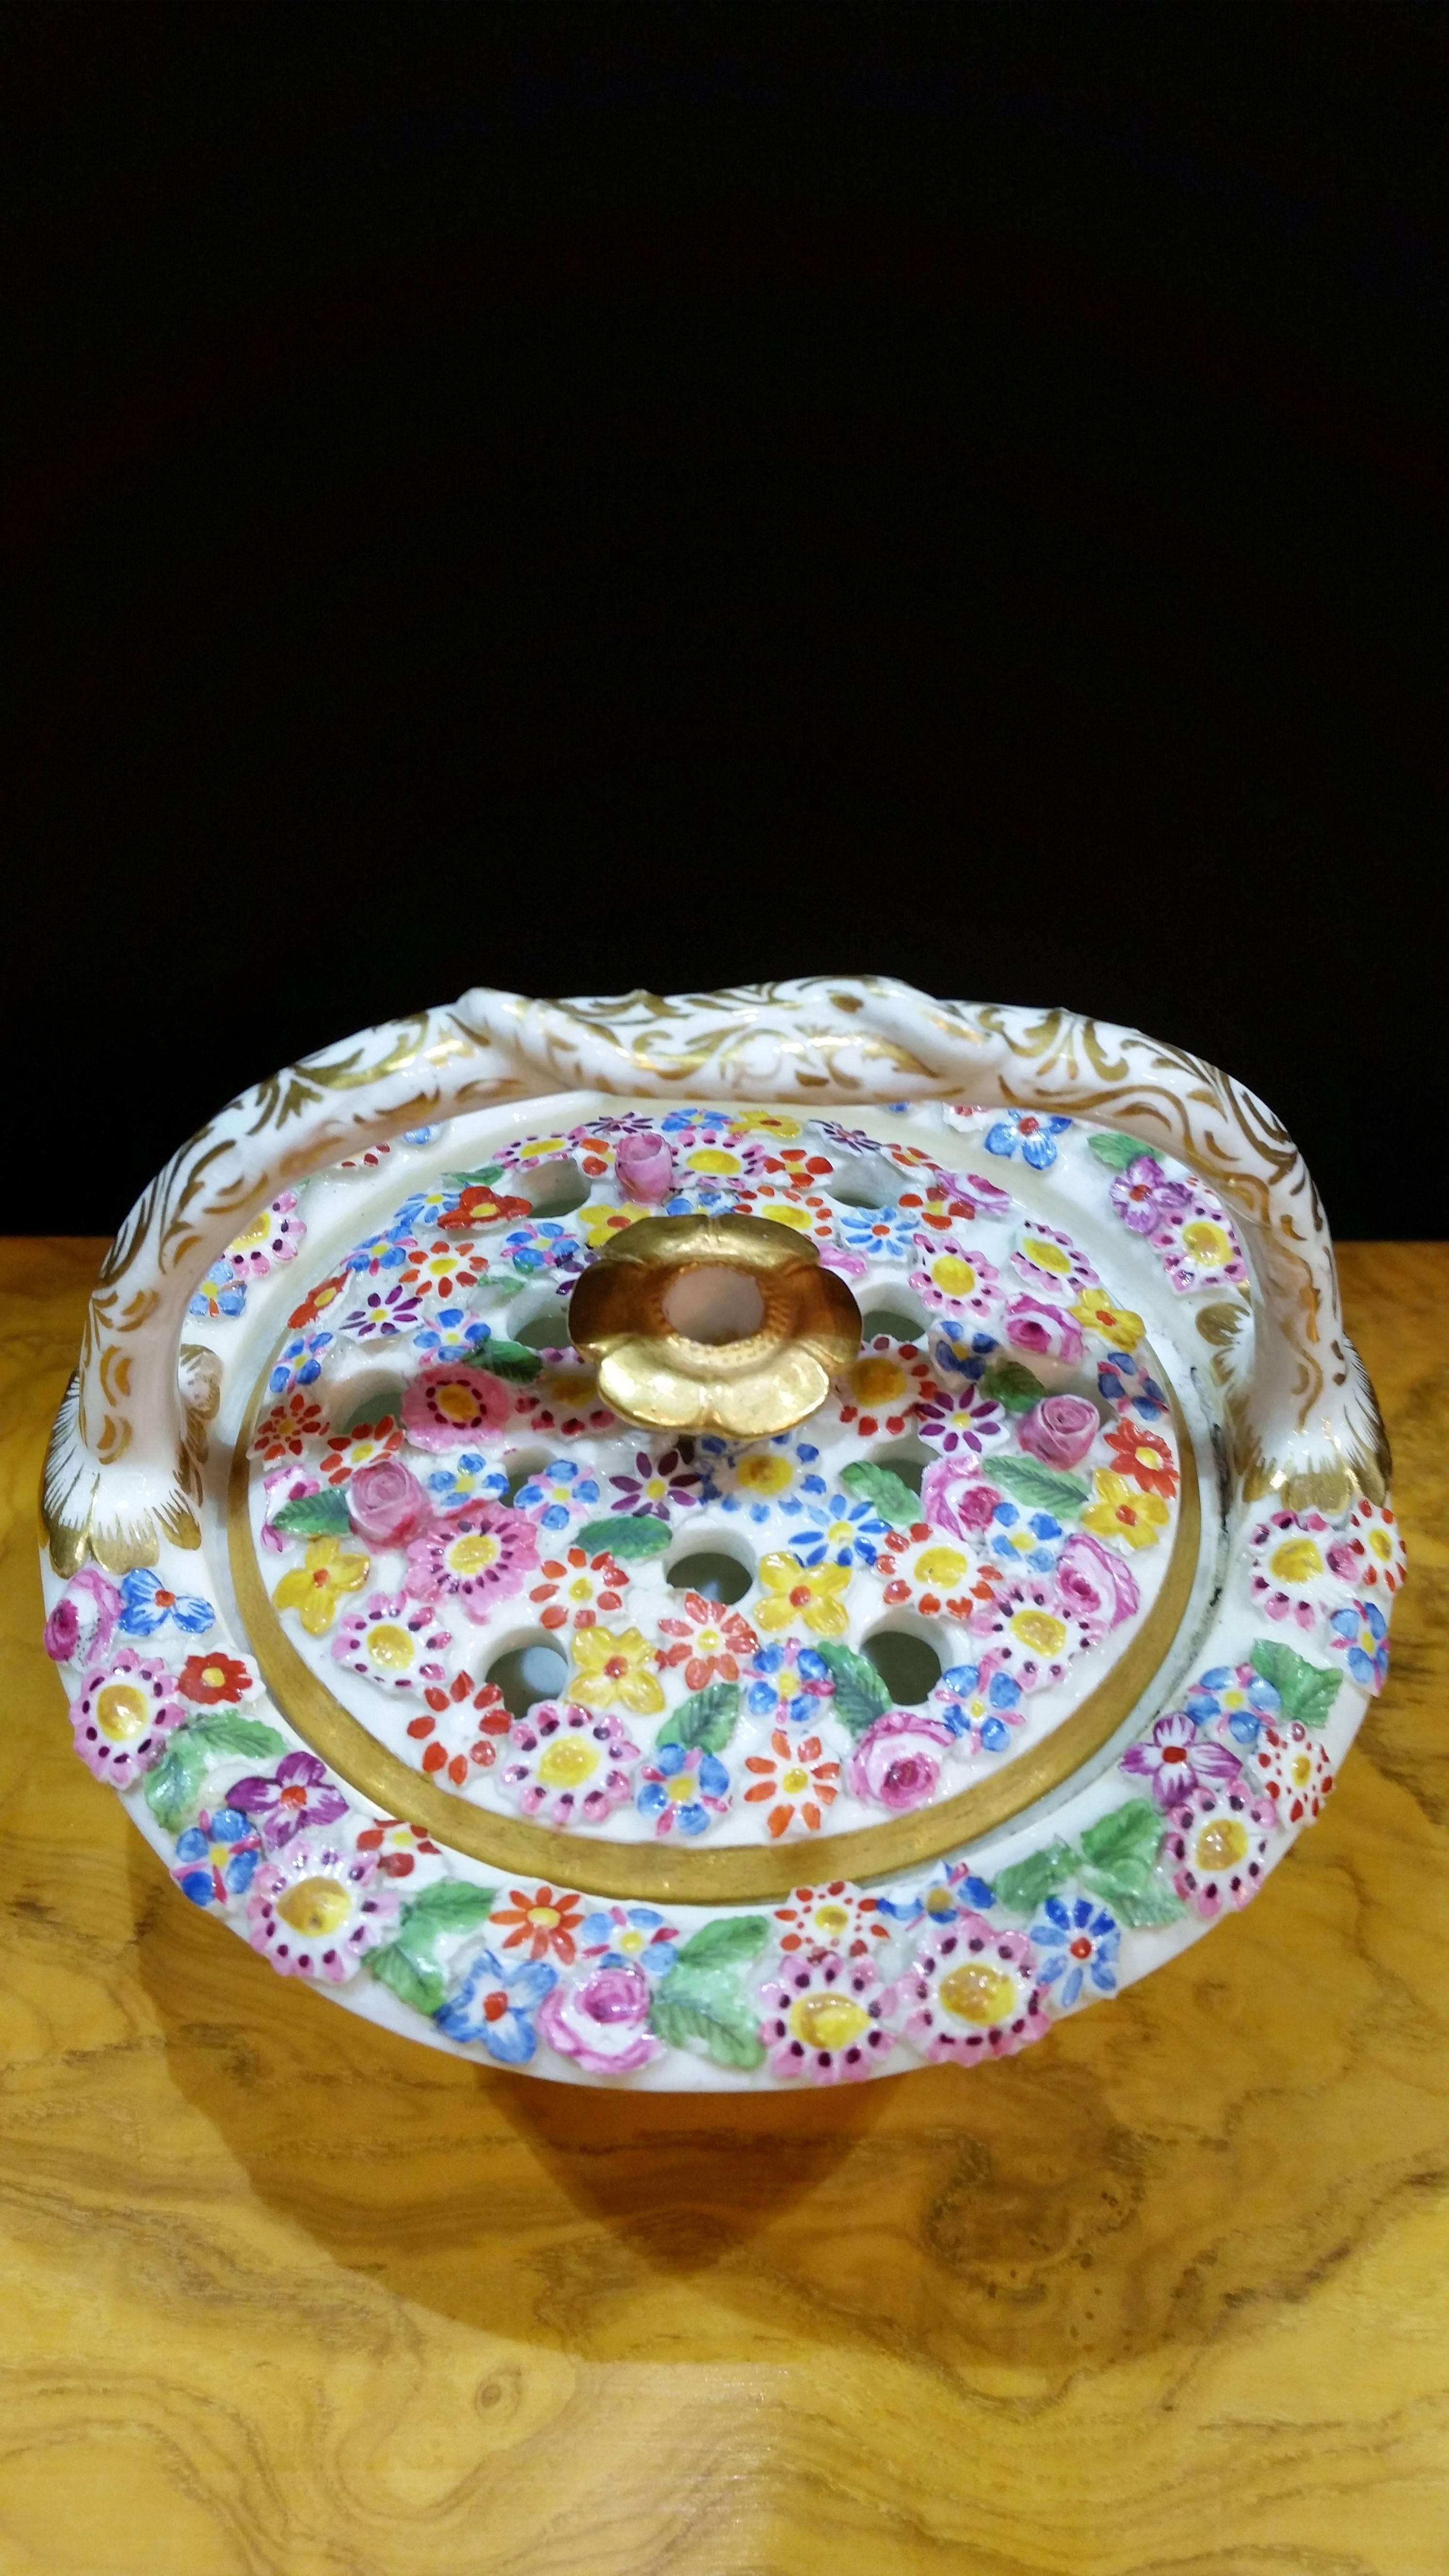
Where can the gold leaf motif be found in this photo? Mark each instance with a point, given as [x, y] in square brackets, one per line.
[1221, 1324]
[811, 1038]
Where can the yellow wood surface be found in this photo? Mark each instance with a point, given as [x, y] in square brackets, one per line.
[1168, 2293]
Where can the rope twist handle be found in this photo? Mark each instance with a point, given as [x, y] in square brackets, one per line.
[123, 1470]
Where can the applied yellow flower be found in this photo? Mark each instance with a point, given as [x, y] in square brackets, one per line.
[612, 1666]
[1096, 1313]
[601, 1224]
[812, 1596]
[768, 1122]
[315, 1588]
[765, 1472]
[783, 1211]
[952, 1274]
[877, 1380]
[723, 1323]
[1207, 1244]
[943, 1566]
[1121, 1512]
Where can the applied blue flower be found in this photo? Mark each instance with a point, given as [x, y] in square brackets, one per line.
[496, 2003]
[630, 1936]
[1078, 1939]
[1360, 1635]
[220, 1293]
[1121, 1381]
[1026, 1132]
[957, 1352]
[683, 1786]
[1236, 1693]
[149, 1605]
[217, 1857]
[299, 1362]
[840, 1529]
[984, 1710]
[1033, 1539]
[453, 1334]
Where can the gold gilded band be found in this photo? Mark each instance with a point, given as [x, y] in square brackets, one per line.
[724, 1875]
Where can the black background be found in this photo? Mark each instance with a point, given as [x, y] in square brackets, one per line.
[573, 503]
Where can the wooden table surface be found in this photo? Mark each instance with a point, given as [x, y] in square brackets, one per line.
[1169, 2293]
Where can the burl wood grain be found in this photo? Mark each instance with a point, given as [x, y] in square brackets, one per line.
[1169, 2293]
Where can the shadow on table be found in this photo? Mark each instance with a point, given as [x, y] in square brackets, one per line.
[1215, 2139]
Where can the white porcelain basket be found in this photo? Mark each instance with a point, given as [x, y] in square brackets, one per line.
[565, 1667]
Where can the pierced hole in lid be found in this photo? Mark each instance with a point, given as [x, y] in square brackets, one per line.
[715, 1302]
[521, 1471]
[896, 1312]
[365, 1397]
[526, 1674]
[713, 1572]
[867, 1182]
[908, 1664]
[539, 1320]
[552, 1189]
[543, 1333]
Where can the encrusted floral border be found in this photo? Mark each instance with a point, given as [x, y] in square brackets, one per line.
[836, 1983]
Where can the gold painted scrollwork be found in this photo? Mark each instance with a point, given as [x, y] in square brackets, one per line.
[1308, 1419]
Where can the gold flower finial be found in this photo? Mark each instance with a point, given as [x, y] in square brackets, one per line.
[723, 1323]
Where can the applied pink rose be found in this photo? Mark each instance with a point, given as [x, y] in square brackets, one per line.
[956, 1499]
[62, 1632]
[644, 1168]
[897, 1761]
[1097, 1589]
[385, 1503]
[602, 2022]
[1032, 1325]
[84, 1619]
[1060, 1430]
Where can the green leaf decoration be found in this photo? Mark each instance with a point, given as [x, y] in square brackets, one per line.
[631, 1536]
[1119, 1854]
[1306, 1690]
[728, 1943]
[1137, 1895]
[482, 1179]
[890, 1493]
[1133, 1832]
[321, 1515]
[1115, 1150]
[386, 1400]
[409, 1965]
[451, 1905]
[1023, 1886]
[860, 1694]
[707, 1718]
[706, 2004]
[1039, 1488]
[1013, 1385]
[419, 1983]
[511, 1360]
[172, 1787]
[227, 1731]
